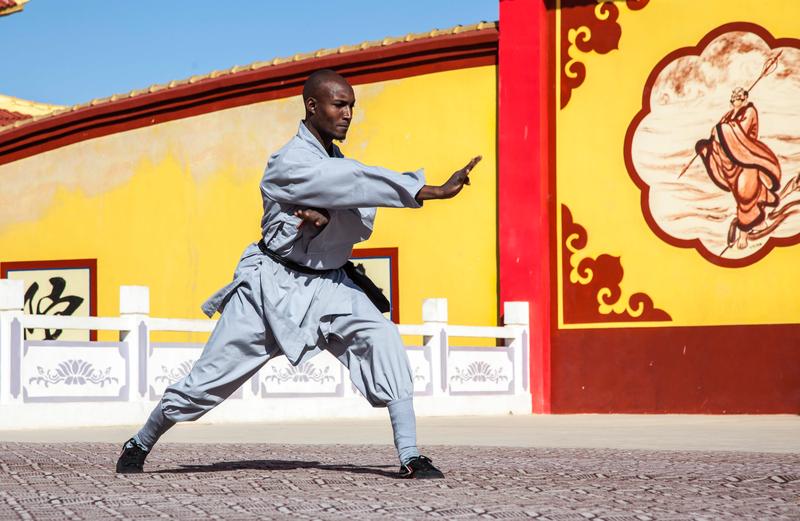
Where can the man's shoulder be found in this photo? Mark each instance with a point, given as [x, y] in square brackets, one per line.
[292, 147]
[298, 148]
[293, 154]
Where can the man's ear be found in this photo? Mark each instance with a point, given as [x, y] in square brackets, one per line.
[311, 105]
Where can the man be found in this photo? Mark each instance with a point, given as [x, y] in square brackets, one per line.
[739, 163]
[290, 294]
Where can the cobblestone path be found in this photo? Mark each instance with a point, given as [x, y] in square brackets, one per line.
[251, 481]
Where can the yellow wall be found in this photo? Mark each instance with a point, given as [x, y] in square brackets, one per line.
[172, 206]
[593, 182]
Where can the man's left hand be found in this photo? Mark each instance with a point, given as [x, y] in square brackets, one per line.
[317, 217]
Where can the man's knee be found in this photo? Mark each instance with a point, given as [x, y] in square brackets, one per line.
[385, 342]
[180, 406]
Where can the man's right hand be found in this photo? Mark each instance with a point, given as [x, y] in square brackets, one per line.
[317, 217]
[452, 186]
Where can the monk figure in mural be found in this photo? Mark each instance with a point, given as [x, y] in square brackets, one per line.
[739, 163]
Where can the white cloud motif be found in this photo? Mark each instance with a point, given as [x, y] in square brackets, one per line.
[689, 95]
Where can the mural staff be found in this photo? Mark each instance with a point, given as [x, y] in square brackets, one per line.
[739, 163]
[291, 295]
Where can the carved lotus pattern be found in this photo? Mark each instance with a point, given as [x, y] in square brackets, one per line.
[479, 371]
[305, 372]
[73, 372]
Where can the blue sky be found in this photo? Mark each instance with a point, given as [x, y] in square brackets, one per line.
[68, 52]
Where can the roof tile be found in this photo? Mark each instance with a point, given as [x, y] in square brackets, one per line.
[8, 117]
[11, 6]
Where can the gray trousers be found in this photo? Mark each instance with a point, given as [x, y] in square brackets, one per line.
[364, 341]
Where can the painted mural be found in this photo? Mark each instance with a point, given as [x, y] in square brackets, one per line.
[716, 146]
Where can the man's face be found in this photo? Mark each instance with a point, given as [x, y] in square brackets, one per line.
[333, 109]
[737, 101]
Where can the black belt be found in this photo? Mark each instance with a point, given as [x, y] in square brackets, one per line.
[373, 292]
[288, 263]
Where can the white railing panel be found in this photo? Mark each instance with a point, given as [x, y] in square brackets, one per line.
[420, 359]
[480, 370]
[56, 371]
[167, 363]
[323, 375]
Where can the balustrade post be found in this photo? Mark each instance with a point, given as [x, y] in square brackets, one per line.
[12, 301]
[517, 317]
[434, 319]
[134, 305]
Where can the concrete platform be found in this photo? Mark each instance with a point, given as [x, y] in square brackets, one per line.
[748, 433]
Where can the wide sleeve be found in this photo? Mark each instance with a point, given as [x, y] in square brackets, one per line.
[339, 183]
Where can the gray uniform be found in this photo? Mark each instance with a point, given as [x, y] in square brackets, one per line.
[269, 309]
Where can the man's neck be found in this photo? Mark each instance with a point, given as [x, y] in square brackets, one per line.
[326, 144]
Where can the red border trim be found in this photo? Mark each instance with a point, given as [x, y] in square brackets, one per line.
[678, 370]
[400, 60]
[90, 264]
[645, 110]
[393, 255]
[526, 90]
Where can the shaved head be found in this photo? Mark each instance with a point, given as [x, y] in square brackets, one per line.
[329, 100]
[317, 82]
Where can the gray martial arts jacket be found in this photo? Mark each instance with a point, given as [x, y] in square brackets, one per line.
[297, 307]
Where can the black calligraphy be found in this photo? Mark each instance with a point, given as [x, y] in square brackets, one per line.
[54, 303]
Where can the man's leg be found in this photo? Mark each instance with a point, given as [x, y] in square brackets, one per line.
[237, 348]
[155, 427]
[371, 348]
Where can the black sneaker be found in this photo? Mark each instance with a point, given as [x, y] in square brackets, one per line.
[131, 459]
[420, 467]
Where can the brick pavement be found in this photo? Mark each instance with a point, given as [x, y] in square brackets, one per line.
[247, 481]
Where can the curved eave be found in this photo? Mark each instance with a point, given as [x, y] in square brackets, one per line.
[399, 60]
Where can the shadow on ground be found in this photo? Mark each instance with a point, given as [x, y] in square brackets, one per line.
[280, 465]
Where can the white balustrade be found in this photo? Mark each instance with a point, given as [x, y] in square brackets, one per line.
[56, 383]
[12, 300]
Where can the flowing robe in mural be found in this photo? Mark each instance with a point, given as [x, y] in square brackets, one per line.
[739, 163]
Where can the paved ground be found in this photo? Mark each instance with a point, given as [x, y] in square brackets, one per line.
[248, 481]
[635, 478]
[749, 433]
